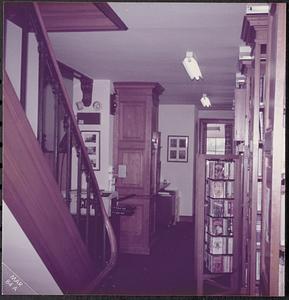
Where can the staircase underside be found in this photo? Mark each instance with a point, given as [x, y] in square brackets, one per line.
[33, 196]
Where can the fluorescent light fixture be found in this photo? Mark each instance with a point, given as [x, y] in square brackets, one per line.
[191, 66]
[257, 8]
[240, 79]
[245, 53]
[205, 101]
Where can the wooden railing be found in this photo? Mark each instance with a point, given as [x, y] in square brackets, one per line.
[95, 221]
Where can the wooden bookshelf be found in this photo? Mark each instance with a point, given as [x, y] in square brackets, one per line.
[217, 224]
[263, 152]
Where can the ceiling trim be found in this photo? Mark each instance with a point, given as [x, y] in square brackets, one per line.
[80, 17]
[109, 12]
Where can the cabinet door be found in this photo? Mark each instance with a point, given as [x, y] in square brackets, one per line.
[134, 230]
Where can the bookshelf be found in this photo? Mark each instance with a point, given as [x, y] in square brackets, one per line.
[217, 224]
[263, 144]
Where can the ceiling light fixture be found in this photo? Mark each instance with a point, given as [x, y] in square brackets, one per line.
[205, 101]
[191, 66]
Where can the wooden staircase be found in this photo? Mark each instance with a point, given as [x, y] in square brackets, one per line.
[31, 190]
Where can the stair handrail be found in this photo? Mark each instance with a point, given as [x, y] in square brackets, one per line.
[77, 135]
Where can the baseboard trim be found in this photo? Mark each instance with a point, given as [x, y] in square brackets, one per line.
[186, 219]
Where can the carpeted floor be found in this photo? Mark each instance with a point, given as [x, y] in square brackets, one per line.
[167, 271]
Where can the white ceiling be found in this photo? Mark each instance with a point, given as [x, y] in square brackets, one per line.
[153, 47]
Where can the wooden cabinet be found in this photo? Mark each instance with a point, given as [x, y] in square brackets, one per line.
[264, 163]
[165, 208]
[136, 146]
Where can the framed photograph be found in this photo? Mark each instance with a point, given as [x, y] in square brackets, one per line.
[91, 140]
[177, 148]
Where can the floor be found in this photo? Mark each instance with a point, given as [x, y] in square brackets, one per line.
[167, 271]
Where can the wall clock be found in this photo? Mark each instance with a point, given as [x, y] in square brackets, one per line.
[96, 105]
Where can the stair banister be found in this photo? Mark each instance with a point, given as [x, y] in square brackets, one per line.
[84, 155]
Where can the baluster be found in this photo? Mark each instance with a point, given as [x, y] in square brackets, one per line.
[87, 209]
[57, 97]
[24, 57]
[100, 231]
[67, 128]
[79, 177]
[41, 80]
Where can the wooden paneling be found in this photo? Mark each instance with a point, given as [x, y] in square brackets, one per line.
[32, 195]
[132, 124]
[134, 161]
[134, 230]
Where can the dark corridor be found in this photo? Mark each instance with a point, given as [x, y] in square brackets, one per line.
[167, 271]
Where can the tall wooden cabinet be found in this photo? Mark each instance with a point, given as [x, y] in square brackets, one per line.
[136, 151]
[263, 151]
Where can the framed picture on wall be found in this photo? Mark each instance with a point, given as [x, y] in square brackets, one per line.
[91, 140]
[177, 148]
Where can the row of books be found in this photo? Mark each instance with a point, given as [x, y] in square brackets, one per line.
[220, 208]
[258, 265]
[259, 196]
[261, 89]
[218, 263]
[220, 226]
[220, 245]
[258, 231]
[261, 125]
[220, 189]
[220, 169]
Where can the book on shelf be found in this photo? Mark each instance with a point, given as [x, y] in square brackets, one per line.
[281, 275]
[220, 245]
[282, 220]
[228, 208]
[220, 170]
[221, 189]
[220, 226]
[261, 125]
[219, 263]
[221, 208]
[260, 162]
[261, 90]
[259, 196]
[258, 231]
[216, 208]
[217, 189]
[229, 189]
[258, 261]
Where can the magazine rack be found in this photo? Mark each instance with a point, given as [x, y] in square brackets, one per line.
[217, 224]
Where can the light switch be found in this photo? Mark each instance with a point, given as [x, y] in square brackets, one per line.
[122, 171]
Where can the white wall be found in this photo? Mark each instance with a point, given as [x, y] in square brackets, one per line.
[32, 82]
[178, 120]
[13, 68]
[216, 114]
[13, 55]
[19, 258]
[101, 92]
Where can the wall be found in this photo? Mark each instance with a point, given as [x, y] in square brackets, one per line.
[101, 92]
[179, 120]
[20, 259]
[13, 67]
[32, 82]
[13, 55]
[216, 114]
